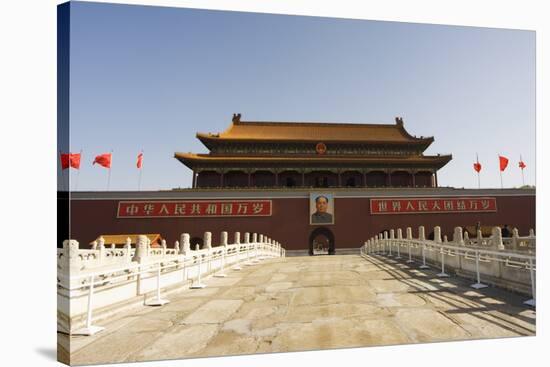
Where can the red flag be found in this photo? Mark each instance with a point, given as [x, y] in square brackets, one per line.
[70, 160]
[103, 160]
[74, 160]
[503, 162]
[522, 165]
[477, 167]
[139, 160]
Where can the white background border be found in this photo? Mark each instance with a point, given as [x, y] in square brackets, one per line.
[28, 167]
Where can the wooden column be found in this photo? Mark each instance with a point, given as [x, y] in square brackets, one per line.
[435, 176]
[339, 179]
[276, 178]
[194, 179]
[303, 178]
[413, 179]
[221, 179]
[249, 179]
[365, 179]
[389, 179]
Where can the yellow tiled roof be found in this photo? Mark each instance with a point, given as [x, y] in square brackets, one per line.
[314, 131]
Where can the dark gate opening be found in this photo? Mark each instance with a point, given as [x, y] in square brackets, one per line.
[321, 242]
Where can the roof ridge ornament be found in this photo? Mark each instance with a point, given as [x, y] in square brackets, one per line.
[399, 120]
[236, 118]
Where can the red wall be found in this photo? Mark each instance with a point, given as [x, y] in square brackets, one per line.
[289, 223]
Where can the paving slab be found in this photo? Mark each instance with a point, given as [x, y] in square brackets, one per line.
[399, 300]
[336, 294]
[182, 339]
[278, 286]
[309, 313]
[429, 325]
[213, 312]
[238, 292]
[227, 343]
[388, 285]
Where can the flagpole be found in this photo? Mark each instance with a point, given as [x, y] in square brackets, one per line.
[522, 178]
[62, 173]
[109, 174]
[501, 185]
[140, 171]
[78, 173]
[478, 179]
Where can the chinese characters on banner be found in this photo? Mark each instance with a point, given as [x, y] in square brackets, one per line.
[432, 205]
[193, 208]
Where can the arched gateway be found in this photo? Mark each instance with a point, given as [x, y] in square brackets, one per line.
[321, 241]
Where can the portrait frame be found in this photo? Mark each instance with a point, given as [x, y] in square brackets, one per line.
[314, 218]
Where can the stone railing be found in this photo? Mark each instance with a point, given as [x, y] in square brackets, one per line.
[504, 262]
[107, 279]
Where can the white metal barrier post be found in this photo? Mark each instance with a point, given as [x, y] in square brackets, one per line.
[478, 285]
[248, 262]
[221, 274]
[90, 329]
[255, 260]
[532, 301]
[198, 284]
[157, 301]
[424, 266]
[184, 271]
[443, 274]
[410, 255]
[238, 254]
[398, 251]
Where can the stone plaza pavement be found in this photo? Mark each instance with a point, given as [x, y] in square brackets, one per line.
[308, 303]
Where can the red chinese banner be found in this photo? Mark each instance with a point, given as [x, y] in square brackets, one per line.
[193, 208]
[432, 205]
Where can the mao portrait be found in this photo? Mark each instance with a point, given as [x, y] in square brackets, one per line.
[321, 208]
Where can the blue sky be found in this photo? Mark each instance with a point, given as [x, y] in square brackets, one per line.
[149, 78]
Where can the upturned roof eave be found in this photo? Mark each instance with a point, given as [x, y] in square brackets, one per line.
[190, 160]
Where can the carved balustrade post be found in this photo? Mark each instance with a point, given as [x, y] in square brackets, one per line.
[421, 233]
[185, 243]
[207, 240]
[515, 239]
[437, 234]
[223, 239]
[496, 240]
[101, 248]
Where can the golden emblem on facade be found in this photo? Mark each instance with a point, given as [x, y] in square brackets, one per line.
[321, 148]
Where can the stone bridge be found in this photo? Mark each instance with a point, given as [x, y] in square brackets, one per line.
[279, 304]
